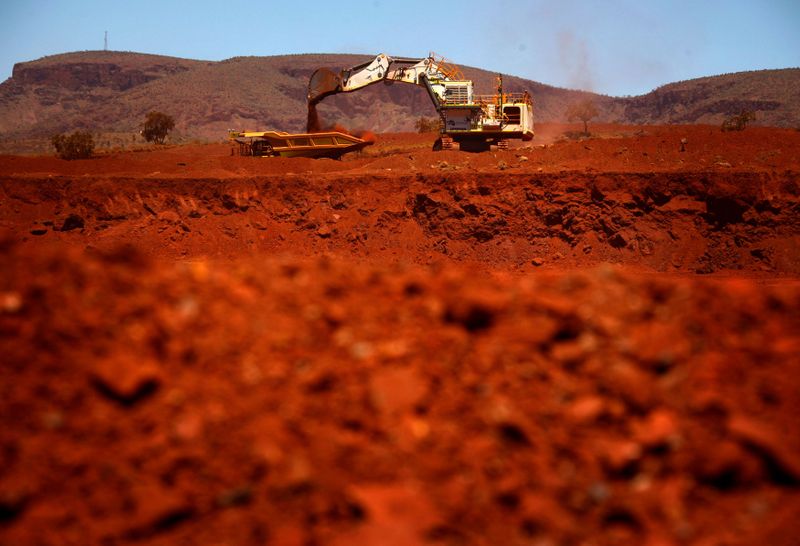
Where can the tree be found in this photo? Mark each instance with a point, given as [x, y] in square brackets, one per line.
[739, 122]
[78, 145]
[583, 110]
[157, 126]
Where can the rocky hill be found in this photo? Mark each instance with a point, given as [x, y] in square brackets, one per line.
[774, 95]
[110, 92]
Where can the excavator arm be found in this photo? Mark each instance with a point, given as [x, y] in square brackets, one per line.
[428, 72]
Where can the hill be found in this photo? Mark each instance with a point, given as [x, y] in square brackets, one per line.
[110, 92]
[773, 94]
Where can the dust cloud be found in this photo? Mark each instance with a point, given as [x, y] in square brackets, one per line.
[313, 123]
[575, 61]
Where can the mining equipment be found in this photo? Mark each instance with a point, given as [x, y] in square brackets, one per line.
[473, 121]
[332, 144]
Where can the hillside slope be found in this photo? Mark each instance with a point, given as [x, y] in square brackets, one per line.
[773, 94]
[110, 92]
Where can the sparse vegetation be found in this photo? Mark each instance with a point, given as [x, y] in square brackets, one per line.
[157, 126]
[78, 145]
[738, 122]
[426, 125]
[584, 111]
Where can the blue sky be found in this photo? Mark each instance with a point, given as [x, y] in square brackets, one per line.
[616, 47]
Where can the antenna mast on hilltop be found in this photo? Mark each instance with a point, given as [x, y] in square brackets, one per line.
[105, 42]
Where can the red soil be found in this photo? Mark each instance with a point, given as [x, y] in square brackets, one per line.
[405, 347]
[313, 124]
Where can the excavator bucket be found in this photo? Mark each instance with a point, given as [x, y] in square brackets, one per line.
[323, 82]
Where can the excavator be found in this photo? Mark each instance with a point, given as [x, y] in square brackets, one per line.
[475, 122]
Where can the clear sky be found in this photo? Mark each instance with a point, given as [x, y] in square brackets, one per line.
[616, 47]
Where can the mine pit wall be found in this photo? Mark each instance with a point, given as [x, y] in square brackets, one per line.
[682, 222]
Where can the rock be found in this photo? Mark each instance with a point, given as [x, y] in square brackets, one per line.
[659, 345]
[393, 514]
[397, 390]
[324, 232]
[38, 230]
[474, 314]
[586, 409]
[780, 459]
[726, 466]
[269, 451]
[722, 164]
[544, 512]
[599, 492]
[169, 216]
[537, 261]
[658, 429]
[53, 420]
[236, 496]
[188, 427]
[523, 159]
[619, 455]
[568, 352]
[513, 433]
[10, 302]
[617, 240]
[298, 472]
[126, 379]
[156, 509]
[13, 502]
[502, 165]
[73, 221]
[230, 202]
[632, 384]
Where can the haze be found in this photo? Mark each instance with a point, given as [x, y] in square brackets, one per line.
[617, 47]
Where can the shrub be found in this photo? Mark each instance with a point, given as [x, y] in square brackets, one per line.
[78, 145]
[427, 125]
[157, 126]
[584, 111]
[738, 122]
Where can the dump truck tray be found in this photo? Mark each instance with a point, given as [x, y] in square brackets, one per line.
[332, 144]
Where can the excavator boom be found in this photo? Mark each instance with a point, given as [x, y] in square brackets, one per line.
[325, 82]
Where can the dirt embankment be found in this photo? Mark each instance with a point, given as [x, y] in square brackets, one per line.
[683, 222]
